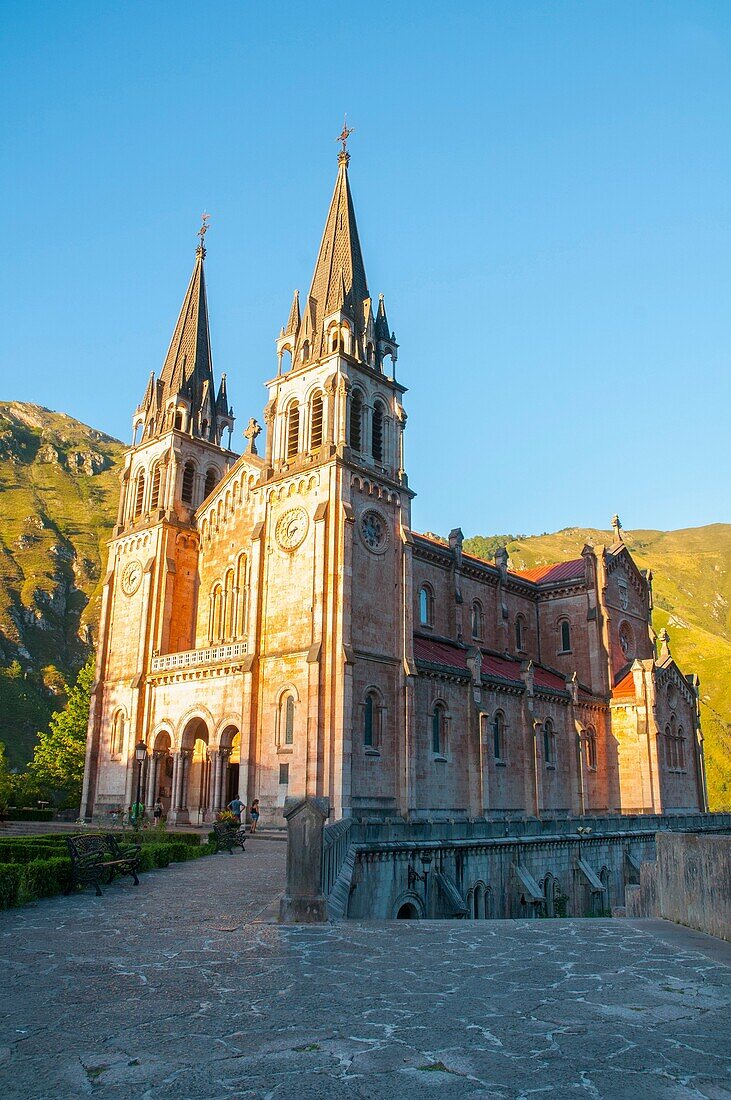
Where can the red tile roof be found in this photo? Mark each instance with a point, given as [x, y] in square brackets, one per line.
[547, 574]
[438, 652]
[625, 688]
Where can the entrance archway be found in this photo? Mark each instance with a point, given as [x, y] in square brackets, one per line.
[408, 911]
[195, 782]
[231, 761]
[159, 774]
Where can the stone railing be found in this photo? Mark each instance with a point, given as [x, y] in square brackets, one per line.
[191, 658]
[336, 842]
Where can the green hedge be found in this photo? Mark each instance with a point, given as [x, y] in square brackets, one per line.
[36, 870]
[17, 813]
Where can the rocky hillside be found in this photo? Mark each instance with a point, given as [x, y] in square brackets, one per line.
[58, 500]
[692, 591]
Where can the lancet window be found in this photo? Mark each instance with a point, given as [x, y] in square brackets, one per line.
[293, 430]
[316, 418]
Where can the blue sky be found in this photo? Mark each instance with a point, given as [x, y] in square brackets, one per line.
[542, 191]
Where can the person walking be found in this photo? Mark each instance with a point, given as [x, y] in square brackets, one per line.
[236, 806]
[157, 811]
[254, 811]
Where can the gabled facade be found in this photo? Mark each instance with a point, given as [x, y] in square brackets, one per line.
[271, 625]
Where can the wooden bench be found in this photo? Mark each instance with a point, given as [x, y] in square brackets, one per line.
[96, 859]
[228, 836]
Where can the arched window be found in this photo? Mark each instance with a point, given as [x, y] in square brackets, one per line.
[498, 735]
[155, 491]
[293, 430]
[520, 633]
[439, 730]
[211, 480]
[477, 621]
[371, 721]
[426, 605]
[228, 606]
[668, 747]
[241, 593]
[334, 339]
[377, 435]
[681, 748]
[356, 420]
[565, 629]
[216, 609]
[179, 420]
[140, 493]
[305, 353]
[286, 720]
[549, 747]
[591, 757]
[188, 482]
[116, 741]
[316, 421]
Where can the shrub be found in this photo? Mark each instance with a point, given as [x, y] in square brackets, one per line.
[16, 813]
[10, 875]
[42, 878]
[19, 852]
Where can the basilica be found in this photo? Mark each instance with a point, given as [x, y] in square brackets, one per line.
[271, 625]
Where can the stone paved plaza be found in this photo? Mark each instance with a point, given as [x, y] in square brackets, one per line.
[182, 989]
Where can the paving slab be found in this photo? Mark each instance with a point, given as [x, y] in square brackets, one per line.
[183, 989]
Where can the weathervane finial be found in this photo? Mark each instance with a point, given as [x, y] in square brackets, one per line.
[344, 135]
[202, 232]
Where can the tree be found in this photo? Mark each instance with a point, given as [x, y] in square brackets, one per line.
[6, 780]
[58, 759]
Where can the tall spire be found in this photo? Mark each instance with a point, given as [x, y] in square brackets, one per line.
[339, 281]
[186, 379]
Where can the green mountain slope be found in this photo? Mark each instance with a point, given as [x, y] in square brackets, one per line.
[58, 499]
[692, 592]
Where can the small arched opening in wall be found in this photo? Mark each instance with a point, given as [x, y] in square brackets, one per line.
[408, 907]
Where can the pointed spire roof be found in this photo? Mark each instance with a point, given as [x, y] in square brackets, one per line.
[293, 321]
[383, 332]
[339, 280]
[188, 370]
[188, 364]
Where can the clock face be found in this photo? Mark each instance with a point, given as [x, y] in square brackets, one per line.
[374, 531]
[291, 528]
[131, 577]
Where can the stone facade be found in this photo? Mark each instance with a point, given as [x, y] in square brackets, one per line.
[272, 627]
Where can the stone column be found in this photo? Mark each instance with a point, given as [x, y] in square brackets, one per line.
[215, 798]
[174, 783]
[304, 901]
[222, 773]
[153, 767]
[342, 412]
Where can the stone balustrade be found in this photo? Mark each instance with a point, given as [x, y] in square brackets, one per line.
[192, 658]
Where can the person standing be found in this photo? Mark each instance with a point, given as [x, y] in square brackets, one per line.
[236, 806]
[157, 811]
[254, 811]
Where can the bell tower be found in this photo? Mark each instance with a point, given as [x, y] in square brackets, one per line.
[180, 451]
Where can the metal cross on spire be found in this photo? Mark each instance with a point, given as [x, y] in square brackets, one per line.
[202, 231]
[345, 134]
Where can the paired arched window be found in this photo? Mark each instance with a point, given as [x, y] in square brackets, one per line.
[155, 491]
[520, 633]
[188, 482]
[377, 433]
[498, 735]
[286, 719]
[316, 417]
[140, 493]
[426, 606]
[564, 628]
[674, 746]
[293, 430]
[549, 743]
[477, 621]
[439, 730]
[211, 482]
[356, 420]
[116, 741]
